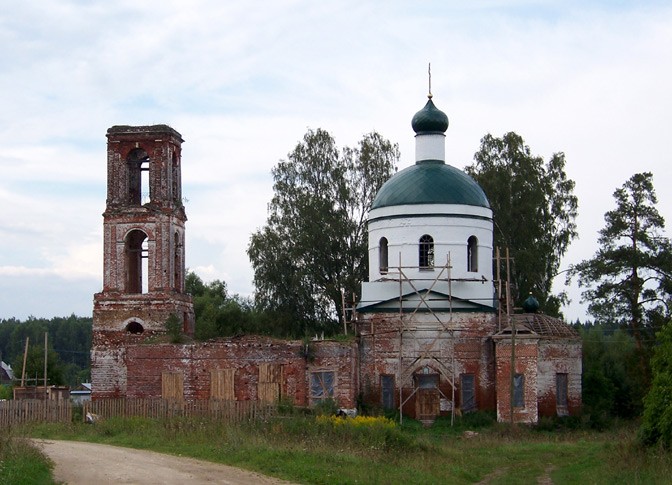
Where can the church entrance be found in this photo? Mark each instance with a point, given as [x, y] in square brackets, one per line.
[427, 401]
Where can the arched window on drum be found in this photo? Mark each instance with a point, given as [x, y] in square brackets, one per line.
[383, 261]
[426, 252]
[472, 254]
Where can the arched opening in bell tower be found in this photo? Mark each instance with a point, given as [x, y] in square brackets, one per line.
[138, 177]
[175, 178]
[177, 263]
[137, 262]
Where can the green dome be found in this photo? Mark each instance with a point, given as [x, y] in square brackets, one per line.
[430, 119]
[430, 182]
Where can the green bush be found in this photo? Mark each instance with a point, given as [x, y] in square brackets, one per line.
[326, 407]
[174, 329]
[656, 425]
[6, 392]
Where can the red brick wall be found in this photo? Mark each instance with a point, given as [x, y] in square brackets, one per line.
[146, 363]
[526, 354]
[425, 343]
[559, 356]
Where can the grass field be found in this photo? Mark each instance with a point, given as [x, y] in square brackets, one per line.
[326, 450]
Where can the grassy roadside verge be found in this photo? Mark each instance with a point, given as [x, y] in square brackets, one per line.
[21, 463]
[306, 449]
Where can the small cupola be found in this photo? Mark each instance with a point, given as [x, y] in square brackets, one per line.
[531, 304]
[430, 125]
[430, 119]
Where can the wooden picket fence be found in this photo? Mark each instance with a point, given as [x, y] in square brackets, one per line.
[230, 411]
[15, 412]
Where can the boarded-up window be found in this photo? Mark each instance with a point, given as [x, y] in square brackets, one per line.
[322, 385]
[387, 391]
[468, 390]
[172, 385]
[270, 381]
[221, 384]
[561, 389]
[519, 391]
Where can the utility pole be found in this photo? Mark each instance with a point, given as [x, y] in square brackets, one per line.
[513, 333]
[25, 356]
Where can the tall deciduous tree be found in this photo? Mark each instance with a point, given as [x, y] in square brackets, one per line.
[629, 280]
[314, 242]
[534, 209]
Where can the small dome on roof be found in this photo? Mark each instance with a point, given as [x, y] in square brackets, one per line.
[531, 304]
[430, 119]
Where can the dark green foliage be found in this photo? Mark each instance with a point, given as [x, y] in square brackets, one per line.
[35, 367]
[657, 420]
[6, 392]
[69, 337]
[534, 209]
[612, 387]
[174, 329]
[314, 243]
[629, 279]
[326, 407]
[219, 314]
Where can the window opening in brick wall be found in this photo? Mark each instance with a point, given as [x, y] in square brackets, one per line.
[177, 263]
[561, 388]
[172, 386]
[137, 262]
[222, 384]
[322, 385]
[269, 388]
[468, 392]
[387, 391]
[175, 176]
[427, 381]
[519, 391]
[135, 328]
[138, 177]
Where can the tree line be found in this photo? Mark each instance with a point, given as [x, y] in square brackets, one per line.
[68, 353]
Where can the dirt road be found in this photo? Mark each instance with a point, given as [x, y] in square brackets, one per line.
[78, 463]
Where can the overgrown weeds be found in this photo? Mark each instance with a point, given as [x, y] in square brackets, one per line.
[21, 462]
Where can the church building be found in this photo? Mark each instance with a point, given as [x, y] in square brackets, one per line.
[433, 337]
[432, 333]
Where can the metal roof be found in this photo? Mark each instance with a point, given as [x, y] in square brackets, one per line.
[430, 182]
[541, 325]
[430, 119]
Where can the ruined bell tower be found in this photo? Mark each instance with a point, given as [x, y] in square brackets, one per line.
[144, 254]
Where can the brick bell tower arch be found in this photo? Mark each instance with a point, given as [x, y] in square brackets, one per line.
[144, 253]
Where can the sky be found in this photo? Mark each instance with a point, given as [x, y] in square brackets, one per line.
[244, 82]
